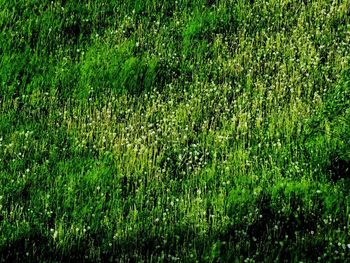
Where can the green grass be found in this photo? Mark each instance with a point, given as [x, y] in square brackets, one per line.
[174, 131]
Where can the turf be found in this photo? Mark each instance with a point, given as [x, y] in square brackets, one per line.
[174, 131]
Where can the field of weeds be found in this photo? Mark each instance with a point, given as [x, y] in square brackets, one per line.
[174, 131]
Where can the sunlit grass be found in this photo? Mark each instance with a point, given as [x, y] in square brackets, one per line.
[189, 131]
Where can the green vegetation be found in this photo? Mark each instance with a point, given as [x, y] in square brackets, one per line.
[174, 131]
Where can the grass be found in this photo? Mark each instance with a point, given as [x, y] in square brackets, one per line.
[188, 131]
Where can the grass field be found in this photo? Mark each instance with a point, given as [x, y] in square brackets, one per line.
[174, 131]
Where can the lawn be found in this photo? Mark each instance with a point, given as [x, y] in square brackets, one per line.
[174, 131]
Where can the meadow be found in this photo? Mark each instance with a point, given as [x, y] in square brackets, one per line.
[174, 131]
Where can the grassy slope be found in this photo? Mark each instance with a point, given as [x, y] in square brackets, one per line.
[174, 131]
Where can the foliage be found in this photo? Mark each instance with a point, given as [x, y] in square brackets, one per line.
[188, 130]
